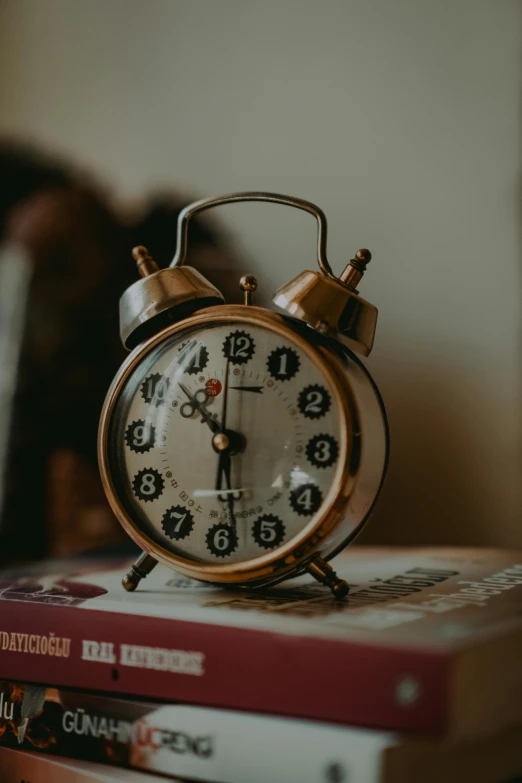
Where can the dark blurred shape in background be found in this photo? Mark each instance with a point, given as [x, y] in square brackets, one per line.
[79, 248]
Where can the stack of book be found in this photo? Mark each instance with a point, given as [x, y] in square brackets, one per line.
[416, 676]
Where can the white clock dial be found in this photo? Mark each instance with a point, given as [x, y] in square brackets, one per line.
[227, 442]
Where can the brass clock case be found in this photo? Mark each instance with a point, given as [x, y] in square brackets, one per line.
[329, 320]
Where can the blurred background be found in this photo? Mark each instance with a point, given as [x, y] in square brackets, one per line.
[401, 120]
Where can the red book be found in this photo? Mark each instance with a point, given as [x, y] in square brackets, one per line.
[429, 640]
[18, 767]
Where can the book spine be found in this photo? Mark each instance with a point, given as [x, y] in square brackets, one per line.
[20, 767]
[223, 666]
[194, 742]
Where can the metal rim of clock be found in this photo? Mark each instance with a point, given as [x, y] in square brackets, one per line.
[276, 198]
[295, 554]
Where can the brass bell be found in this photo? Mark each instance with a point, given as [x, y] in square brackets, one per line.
[161, 297]
[332, 305]
[329, 304]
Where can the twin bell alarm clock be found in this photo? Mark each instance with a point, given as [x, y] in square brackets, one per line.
[238, 445]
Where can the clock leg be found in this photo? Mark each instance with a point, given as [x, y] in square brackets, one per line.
[141, 568]
[325, 574]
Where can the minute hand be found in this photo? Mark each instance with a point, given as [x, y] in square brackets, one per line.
[224, 470]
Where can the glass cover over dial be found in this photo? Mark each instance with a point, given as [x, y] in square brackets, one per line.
[225, 442]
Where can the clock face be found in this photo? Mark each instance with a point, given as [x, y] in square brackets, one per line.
[225, 442]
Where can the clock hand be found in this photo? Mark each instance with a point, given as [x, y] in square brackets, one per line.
[230, 496]
[205, 416]
[224, 466]
[256, 389]
[225, 399]
[223, 440]
[236, 494]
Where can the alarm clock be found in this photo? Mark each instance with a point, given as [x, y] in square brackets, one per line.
[238, 445]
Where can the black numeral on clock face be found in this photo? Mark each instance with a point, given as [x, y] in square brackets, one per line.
[283, 364]
[193, 357]
[140, 436]
[154, 389]
[322, 451]
[239, 347]
[148, 484]
[177, 522]
[221, 540]
[306, 499]
[314, 402]
[268, 531]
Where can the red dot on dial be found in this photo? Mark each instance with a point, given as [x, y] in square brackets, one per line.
[213, 387]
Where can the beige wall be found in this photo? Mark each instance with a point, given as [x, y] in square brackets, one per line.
[401, 119]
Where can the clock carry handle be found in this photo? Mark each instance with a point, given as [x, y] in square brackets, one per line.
[276, 198]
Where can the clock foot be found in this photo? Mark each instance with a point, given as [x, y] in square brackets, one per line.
[325, 574]
[141, 568]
